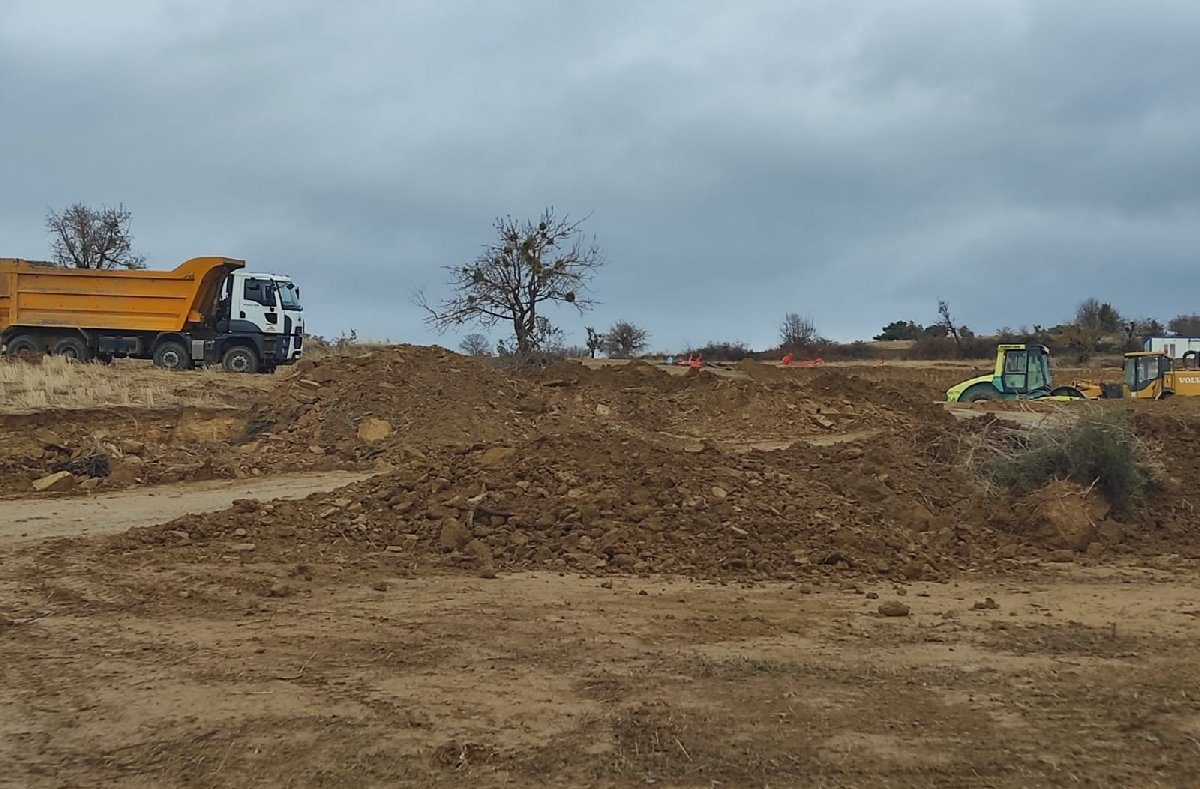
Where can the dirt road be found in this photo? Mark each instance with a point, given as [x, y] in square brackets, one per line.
[26, 520]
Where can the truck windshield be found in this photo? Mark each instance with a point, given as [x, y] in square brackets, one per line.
[289, 295]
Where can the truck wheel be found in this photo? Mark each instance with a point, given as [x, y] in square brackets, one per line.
[240, 359]
[23, 343]
[72, 348]
[172, 356]
[979, 393]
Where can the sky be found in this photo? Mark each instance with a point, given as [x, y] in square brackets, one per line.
[854, 162]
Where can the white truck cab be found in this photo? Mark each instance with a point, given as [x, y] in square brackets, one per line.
[263, 311]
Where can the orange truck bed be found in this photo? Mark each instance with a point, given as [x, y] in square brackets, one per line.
[118, 299]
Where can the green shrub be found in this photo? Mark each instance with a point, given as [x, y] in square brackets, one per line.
[1098, 450]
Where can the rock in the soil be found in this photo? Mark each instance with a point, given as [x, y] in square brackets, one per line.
[480, 551]
[125, 469]
[894, 608]
[279, 589]
[987, 604]
[381, 586]
[497, 457]
[603, 410]
[131, 446]
[91, 483]
[62, 480]
[373, 429]
[719, 492]
[454, 536]
[49, 439]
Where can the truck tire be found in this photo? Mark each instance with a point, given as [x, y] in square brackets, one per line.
[22, 343]
[240, 359]
[72, 348]
[172, 355]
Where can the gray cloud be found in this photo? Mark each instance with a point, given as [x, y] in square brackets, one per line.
[739, 160]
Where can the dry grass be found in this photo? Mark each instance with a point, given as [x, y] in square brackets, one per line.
[56, 383]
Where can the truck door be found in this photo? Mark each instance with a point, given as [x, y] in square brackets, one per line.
[260, 305]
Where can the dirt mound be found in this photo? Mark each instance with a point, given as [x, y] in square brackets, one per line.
[607, 501]
[427, 397]
[858, 390]
[626, 468]
[1060, 515]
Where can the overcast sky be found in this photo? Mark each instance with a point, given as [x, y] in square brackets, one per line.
[851, 161]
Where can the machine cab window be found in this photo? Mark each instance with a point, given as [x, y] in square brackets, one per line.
[1015, 375]
[1141, 371]
[1025, 370]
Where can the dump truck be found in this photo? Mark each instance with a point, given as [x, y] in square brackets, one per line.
[207, 311]
[1022, 372]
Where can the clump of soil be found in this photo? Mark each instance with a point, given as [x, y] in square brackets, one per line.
[1061, 515]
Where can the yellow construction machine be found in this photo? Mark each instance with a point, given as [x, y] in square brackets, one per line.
[1021, 372]
[1153, 375]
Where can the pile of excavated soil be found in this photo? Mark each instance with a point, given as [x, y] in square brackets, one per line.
[426, 397]
[406, 396]
[606, 501]
[627, 469]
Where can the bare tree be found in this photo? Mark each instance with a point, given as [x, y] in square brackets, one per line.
[625, 340]
[796, 331]
[948, 322]
[530, 266]
[475, 344]
[595, 341]
[96, 238]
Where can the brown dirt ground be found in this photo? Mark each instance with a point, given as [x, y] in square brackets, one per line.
[173, 676]
[595, 576]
